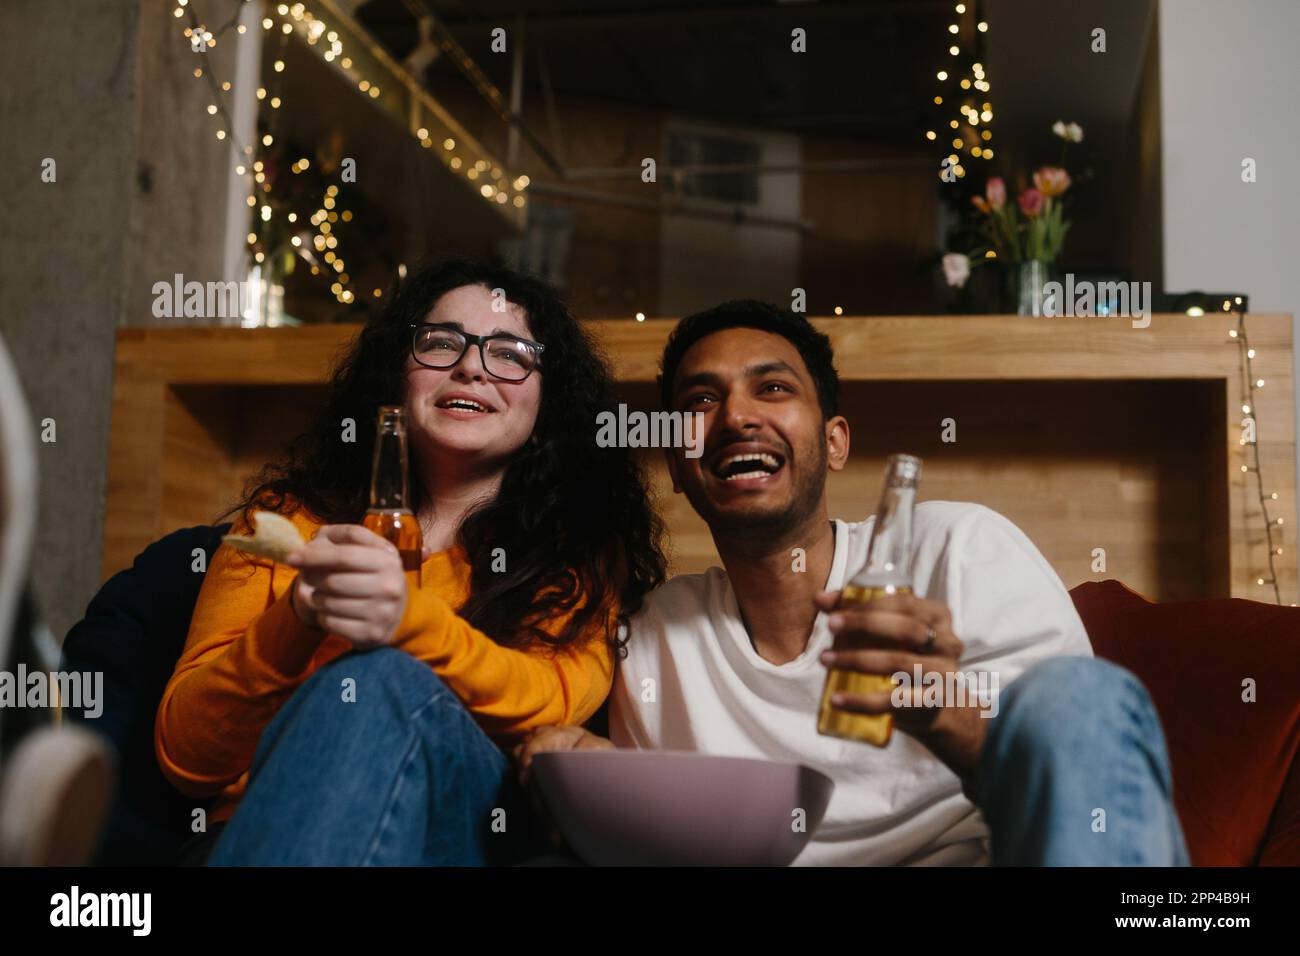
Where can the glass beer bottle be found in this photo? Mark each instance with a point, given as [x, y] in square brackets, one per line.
[389, 515]
[887, 571]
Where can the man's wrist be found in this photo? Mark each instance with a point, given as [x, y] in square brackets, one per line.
[958, 739]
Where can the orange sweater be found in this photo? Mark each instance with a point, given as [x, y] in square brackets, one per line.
[247, 652]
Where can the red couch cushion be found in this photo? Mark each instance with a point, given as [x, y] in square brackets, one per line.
[1236, 776]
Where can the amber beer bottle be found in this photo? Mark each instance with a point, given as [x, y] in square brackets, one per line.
[887, 571]
[390, 514]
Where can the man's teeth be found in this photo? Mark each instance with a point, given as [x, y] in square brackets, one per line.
[769, 461]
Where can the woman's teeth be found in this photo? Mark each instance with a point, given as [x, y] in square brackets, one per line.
[464, 404]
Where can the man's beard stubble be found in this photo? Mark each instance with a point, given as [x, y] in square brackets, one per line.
[767, 526]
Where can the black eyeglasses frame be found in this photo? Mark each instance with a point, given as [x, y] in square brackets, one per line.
[478, 340]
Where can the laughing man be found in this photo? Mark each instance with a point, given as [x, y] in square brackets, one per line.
[1068, 767]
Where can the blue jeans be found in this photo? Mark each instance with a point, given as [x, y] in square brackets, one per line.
[404, 776]
[1074, 771]
[400, 776]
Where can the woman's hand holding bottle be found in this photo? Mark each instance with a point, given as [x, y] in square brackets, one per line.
[350, 583]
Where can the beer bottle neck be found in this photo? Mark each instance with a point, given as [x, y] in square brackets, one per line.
[889, 554]
[388, 490]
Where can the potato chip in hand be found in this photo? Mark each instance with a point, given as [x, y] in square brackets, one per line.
[274, 536]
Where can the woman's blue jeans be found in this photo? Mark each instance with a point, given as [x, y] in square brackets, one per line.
[400, 775]
[1073, 772]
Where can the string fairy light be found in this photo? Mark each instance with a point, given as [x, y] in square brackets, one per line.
[254, 171]
[201, 39]
[282, 21]
[1249, 383]
[459, 157]
[964, 85]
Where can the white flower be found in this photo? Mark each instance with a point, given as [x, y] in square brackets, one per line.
[1070, 132]
[956, 269]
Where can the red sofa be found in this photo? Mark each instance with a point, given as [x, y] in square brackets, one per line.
[1236, 776]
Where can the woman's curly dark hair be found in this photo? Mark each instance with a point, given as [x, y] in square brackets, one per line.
[575, 519]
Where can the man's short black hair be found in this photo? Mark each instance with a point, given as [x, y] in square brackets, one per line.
[813, 346]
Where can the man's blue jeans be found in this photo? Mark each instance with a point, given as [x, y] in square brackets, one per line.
[1074, 771]
[403, 775]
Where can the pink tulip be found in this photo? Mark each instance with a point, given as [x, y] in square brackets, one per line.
[1052, 181]
[996, 191]
[1031, 202]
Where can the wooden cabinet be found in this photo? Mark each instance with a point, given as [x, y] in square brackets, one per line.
[1087, 433]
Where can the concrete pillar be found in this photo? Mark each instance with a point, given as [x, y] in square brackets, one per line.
[105, 89]
[69, 74]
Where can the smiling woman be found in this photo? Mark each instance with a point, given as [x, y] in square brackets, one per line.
[472, 393]
[541, 543]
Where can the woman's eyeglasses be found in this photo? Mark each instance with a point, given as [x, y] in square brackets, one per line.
[505, 357]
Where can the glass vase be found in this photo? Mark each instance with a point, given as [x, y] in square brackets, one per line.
[1025, 282]
[265, 286]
